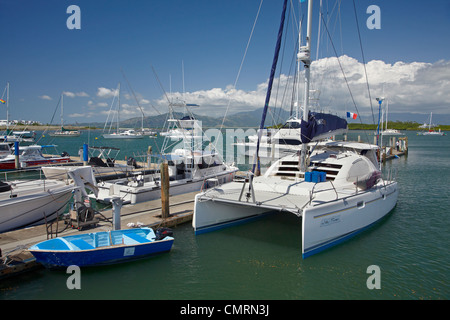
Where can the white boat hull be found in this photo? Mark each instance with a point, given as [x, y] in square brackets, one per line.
[33, 209]
[122, 136]
[61, 174]
[323, 224]
[332, 223]
[152, 191]
[210, 215]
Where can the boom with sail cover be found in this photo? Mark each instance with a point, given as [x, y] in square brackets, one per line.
[320, 125]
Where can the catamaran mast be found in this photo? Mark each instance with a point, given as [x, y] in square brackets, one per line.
[304, 55]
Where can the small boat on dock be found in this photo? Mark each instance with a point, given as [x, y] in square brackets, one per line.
[102, 248]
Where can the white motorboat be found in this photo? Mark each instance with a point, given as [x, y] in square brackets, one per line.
[31, 156]
[336, 188]
[188, 172]
[25, 203]
[5, 149]
[182, 127]
[191, 168]
[101, 159]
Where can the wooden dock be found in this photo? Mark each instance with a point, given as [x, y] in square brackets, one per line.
[14, 244]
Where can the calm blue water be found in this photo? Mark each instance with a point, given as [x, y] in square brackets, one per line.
[262, 259]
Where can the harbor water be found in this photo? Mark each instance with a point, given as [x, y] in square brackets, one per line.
[262, 259]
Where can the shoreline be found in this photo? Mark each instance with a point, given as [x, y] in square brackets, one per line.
[72, 127]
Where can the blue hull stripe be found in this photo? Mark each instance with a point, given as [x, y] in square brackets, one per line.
[222, 225]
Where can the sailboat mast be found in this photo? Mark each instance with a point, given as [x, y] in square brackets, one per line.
[429, 126]
[62, 109]
[118, 109]
[304, 55]
[7, 107]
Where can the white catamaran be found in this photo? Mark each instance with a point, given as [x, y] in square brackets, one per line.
[335, 187]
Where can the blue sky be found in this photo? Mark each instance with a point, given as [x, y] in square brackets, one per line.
[41, 57]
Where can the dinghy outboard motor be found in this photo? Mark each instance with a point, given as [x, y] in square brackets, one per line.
[85, 213]
[161, 233]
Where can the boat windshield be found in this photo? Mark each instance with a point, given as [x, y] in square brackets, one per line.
[291, 125]
[4, 147]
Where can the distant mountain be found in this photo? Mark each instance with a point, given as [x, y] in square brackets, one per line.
[247, 119]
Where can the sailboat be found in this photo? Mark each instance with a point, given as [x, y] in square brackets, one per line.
[127, 134]
[334, 187]
[385, 131]
[64, 132]
[14, 136]
[430, 131]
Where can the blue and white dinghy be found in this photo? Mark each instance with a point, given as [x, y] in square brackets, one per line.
[102, 248]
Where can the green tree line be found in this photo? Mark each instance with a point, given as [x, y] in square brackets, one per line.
[399, 125]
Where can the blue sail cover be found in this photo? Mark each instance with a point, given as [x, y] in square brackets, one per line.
[320, 124]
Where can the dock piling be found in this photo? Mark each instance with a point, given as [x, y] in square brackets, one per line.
[16, 154]
[164, 190]
[117, 205]
[85, 154]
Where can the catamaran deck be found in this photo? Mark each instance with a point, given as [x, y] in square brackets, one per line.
[280, 196]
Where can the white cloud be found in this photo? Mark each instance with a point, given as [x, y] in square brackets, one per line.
[45, 97]
[73, 95]
[106, 93]
[414, 87]
[69, 94]
[78, 115]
